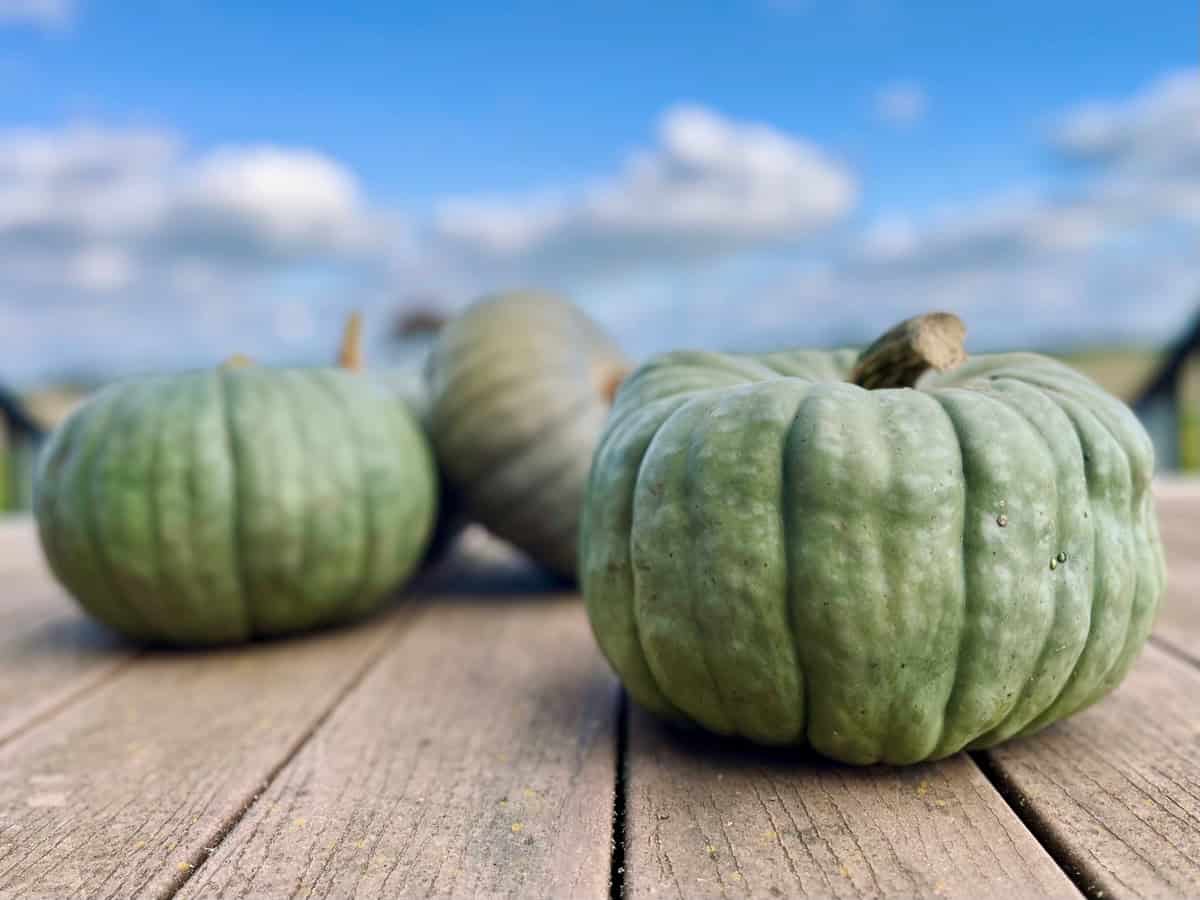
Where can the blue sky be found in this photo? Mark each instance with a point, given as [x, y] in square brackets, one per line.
[734, 173]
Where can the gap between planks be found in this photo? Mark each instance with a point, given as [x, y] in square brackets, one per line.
[707, 817]
[989, 765]
[66, 698]
[148, 756]
[79, 803]
[1015, 774]
[1106, 802]
[1114, 791]
[202, 856]
[1024, 863]
[477, 758]
[51, 655]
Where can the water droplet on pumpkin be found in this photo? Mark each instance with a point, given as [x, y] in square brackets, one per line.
[1062, 556]
[1054, 564]
[1002, 520]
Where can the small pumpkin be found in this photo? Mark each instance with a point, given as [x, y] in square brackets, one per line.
[891, 569]
[520, 385]
[241, 502]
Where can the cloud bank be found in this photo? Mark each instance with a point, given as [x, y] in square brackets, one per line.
[121, 244]
[710, 187]
[51, 14]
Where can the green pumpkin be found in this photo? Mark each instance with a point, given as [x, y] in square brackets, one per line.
[520, 386]
[223, 505]
[885, 575]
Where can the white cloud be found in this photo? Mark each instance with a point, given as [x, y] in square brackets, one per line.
[100, 269]
[710, 187]
[287, 197]
[39, 13]
[100, 195]
[901, 103]
[1157, 130]
[1145, 153]
[890, 238]
[500, 227]
[64, 189]
[117, 242]
[131, 221]
[998, 229]
[1107, 253]
[135, 220]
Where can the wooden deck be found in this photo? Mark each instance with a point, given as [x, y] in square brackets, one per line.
[472, 742]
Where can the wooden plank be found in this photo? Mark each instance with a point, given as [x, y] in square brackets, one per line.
[119, 796]
[706, 817]
[1181, 541]
[19, 548]
[1176, 488]
[1178, 623]
[50, 654]
[28, 597]
[1178, 506]
[1178, 509]
[48, 663]
[477, 760]
[1116, 789]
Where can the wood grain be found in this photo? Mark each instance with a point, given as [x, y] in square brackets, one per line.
[712, 818]
[1116, 789]
[1176, 489]
[1181, 535]
[1177, 503]
[50, 654]
[477, 760]
[120, 796]
[1178, 623]
[50, 662]
[19, 550]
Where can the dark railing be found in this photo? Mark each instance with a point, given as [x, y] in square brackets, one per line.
[1159, 403]
[18, 451]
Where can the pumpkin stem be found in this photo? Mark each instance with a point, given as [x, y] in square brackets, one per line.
[608, 381]
[237, 361]
[906, 352]
[350, 355]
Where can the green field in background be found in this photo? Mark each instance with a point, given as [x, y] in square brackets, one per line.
[16, 480]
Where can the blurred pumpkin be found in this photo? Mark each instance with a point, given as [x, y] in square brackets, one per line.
[241, 502]
[520, 386]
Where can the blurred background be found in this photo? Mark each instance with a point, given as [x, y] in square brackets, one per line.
[182, 181]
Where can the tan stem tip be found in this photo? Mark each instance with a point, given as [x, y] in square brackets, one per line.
[237, 361]
[909, 350]
[609, 378]
[350, 355]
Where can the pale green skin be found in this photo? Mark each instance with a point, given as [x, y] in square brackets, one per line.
[771, 552]
[219, 506]
[515, 415]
